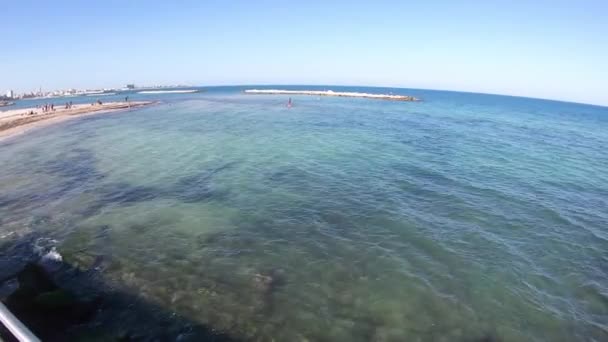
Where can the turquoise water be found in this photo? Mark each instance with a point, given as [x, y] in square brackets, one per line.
[460, 218]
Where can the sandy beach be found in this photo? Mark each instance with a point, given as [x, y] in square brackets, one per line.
[14, 122]
[332, 93]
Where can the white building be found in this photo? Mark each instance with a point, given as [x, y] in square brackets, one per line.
[9, 94]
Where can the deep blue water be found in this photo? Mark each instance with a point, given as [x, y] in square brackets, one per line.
[461, 217]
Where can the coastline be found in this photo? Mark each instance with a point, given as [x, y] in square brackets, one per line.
[15, 122]
[390, 97]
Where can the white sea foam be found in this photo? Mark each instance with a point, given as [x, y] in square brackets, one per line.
[52, 255]
[46, 249]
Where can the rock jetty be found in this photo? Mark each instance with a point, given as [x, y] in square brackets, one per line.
[332, 93]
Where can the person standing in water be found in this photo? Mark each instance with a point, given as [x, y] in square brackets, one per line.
[289, 103]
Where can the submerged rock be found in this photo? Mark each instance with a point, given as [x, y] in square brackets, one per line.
[57, 299]
[44, 307]
[83, 261]
[65, 304]
[269, 281]
[32, 280]
[262, 282]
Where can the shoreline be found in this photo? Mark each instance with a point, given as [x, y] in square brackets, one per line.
[15, 122]
[390, 97]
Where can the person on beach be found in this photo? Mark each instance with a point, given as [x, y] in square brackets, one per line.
[126, 99]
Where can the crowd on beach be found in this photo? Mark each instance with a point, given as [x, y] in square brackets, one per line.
[53, 112]
[48, 108]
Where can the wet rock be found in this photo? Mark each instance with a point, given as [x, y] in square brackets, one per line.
[55, 299]
[43, 306]
[32, 280]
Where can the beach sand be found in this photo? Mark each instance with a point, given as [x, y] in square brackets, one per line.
[14, 122]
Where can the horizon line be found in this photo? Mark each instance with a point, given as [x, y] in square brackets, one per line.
[372, 86]
[410, 88]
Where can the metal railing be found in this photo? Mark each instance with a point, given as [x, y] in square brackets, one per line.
[14, 325]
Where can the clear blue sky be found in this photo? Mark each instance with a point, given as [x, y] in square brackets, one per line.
[549, 49]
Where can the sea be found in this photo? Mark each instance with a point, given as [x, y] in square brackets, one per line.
[461, 217]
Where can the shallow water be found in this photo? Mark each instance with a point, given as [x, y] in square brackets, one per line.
[463, 217]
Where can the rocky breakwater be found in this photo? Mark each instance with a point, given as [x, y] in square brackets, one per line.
[391, 97]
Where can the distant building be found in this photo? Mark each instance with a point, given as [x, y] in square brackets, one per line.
[10, 94]
[130, 86]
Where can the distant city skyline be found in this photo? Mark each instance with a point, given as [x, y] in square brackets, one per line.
[10, 94]
[544, 49]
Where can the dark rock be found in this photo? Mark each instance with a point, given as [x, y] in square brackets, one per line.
[33, 279]
[44, 307]
[57, 299]
[8, 287]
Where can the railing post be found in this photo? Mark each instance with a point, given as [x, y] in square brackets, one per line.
[14, 325]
